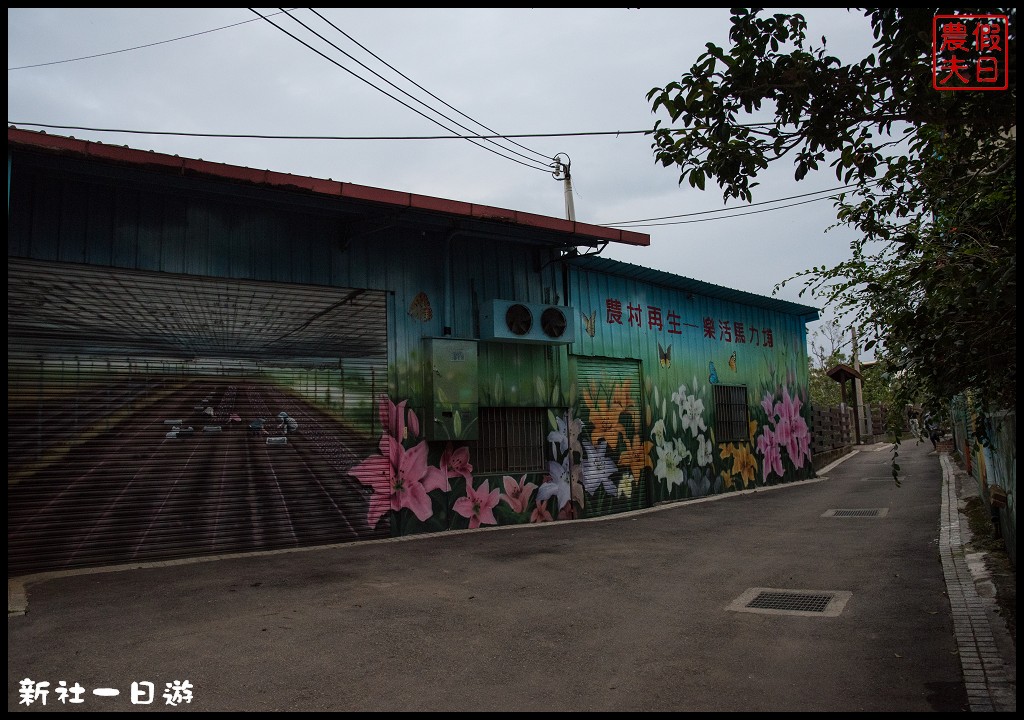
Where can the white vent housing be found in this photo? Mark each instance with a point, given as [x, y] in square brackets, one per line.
[513, 321]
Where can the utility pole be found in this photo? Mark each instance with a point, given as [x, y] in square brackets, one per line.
[560, 171]
[858, 390]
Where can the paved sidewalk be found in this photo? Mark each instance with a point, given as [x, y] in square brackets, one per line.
[986, 673]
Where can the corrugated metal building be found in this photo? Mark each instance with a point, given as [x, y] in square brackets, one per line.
[205, 358]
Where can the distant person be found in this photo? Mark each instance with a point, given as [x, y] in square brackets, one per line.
[931, 426]
[915, 422]
[287, 425]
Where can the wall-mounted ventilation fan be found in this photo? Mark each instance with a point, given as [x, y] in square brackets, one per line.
[553, 323]
[513, 321]
[519, 319]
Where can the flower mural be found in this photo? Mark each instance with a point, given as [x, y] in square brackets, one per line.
[410, 478]
[540, 514]
[518, 493]
[626, 484]
[598, 461]
[413, 479]
[561, 495]
[691, 411]
[566, 435]
[698, 481]
[658, 432]
[784, 429]
[612, 451]
[677, 456]
[401, 478]
[393, 418]
[796, 435]
[672, 455]
[744, 464]
[402, 482]
[374, 474]
[771, 454]
[682, 441]
[556, 484]
[622, 402]
[635, 458]
[455, 463]
[478, 505]
[606, 425]
[598, 469]
[705, 453]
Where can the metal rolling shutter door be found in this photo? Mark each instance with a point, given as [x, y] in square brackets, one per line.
[613, 390]
[132, 399]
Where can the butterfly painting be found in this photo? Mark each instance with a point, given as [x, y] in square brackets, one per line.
[419, 308]
[590, 323]
[732, 361]
[712, 373]
[665, 356]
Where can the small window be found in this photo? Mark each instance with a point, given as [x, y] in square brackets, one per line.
[731, 414]
[511, 440]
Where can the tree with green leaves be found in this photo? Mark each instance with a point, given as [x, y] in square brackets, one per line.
[930, 283]
[826, 351]
[828, 347]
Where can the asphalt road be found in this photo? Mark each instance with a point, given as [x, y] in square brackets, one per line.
[636, 612]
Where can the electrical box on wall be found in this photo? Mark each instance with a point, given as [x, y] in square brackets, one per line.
[512, 321]
[452, 386]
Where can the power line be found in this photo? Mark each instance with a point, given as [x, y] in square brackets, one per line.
[385, 92]
[407, 94]
[708, 212]
[352, 137]
[392, 67]
[137, 47]
[726, 217]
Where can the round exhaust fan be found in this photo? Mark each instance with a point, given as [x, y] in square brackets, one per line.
[518, 319]
[553, 323]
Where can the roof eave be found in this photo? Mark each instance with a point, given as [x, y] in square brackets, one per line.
[576, 233]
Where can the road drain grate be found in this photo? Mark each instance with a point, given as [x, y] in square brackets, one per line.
[857, 512]
[775, 601]
[790, 601]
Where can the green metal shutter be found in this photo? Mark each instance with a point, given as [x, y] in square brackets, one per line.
[609, 403]
[143, 415]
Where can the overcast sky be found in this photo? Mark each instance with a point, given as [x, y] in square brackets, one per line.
[515, 70]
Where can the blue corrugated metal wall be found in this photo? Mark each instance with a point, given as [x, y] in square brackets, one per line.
[123, 224]
[438, 280]
[687, 344]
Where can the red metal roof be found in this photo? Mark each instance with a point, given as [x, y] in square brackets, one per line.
[190, 166]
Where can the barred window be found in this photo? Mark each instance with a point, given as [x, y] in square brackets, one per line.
[511, 440]
[731, 413]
